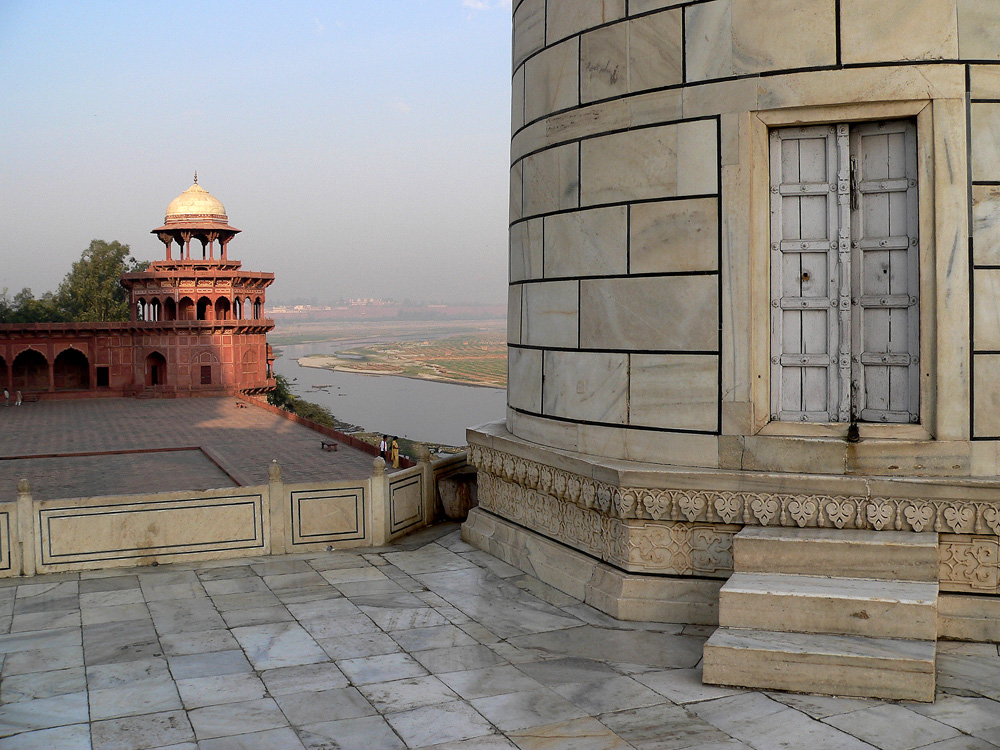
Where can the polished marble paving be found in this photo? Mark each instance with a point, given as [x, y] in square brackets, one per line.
[425, 644]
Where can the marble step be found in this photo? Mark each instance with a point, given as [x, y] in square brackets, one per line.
[853, 553]
[828, 664]
[817, 604]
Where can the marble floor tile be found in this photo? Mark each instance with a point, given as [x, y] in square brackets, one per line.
[362, 644]
[367, 588]
[42, 660]
[433, 725]
[174, 592]
[112, 597]
[305, 594]
[389, 599]
[110, 583]
[71, 737]
[568, 670]
[351, 575]
[337, 561]
[453, 541]
[756, 719]
[336, 627]
[816, 706]
[278, 566]
[616, 694]
[365, 733]
[892, 727]
[245, 717]
[303, 679]
[181, 644]
[381, 668]
[457, 658]
[961, 743]
[430, 559]
[270, 739]
[213, 664]
[255, 599]
[142, 732]
[967, 714]
[198, 692]
[23, 687]
[238, 570]
[440, 636]
[631, 646]
[324, 705]
[117, 613]
[396, 618]
[185, 615]
[685, 686]
[543, 591]
[585, 733]
[495, 565]
[45, 621]
[665, 727]
[294, 580]
[283, 644]
[257, 616]
[43, 713]
[244, 585]
[140, 672]
[402, 695]
[515, 711]
[483, 683]
[329, 607]
[134, 700]
[39, 639]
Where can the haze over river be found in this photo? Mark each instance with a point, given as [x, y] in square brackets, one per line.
[417, 409]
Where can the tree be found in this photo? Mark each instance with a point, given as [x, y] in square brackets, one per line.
[91, 291]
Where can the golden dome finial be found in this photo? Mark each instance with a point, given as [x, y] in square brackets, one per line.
[196, 177]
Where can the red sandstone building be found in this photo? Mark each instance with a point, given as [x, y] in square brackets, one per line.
[197, 324]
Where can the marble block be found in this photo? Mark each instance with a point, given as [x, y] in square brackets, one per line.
[978, 30]
[550, 314]
[524, 379]
[565, 19]
[986, 418]
[675, 391]
[526, 250]
[650, 313]
[884, 30]
[551, 80]
[551, 180]
[514, 314]
[604, 63]
[986, 311]
[678, 235]
[586, 243]
[586, 386]
[529, 29]
[985, 141]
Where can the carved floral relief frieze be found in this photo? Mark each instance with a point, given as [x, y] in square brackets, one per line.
[969, 563]
[740, 508]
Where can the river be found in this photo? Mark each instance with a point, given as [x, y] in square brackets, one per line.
[417, 409]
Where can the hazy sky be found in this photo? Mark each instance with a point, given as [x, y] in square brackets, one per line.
[361, 145]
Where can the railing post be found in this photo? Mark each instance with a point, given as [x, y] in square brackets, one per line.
[429, 491]
[26, 527]
[379, 503]
[276, 510]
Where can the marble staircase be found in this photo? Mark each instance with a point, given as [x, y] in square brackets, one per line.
[831, 611]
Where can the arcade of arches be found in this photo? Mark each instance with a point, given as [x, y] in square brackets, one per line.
[197, 324]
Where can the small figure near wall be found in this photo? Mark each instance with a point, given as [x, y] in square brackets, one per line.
[6, 397]
[383, 447]
[17, 401]
[395, 453]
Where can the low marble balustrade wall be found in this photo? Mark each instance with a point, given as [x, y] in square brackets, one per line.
[48, 536]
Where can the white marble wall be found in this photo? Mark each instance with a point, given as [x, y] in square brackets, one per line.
[636, 232]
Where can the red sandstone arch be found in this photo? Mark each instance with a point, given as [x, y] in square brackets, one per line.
[154, 309]
[204, 308]
[206, 370]
[186, 310]
[71, 371]
[156, 369]
[248, 309]
[169, 309]
[140, 310]
[222, 309]
[258, 309]
[237, 309]
[30, 371]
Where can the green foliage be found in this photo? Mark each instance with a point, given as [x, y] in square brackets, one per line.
[283, 398]
[90, 292]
